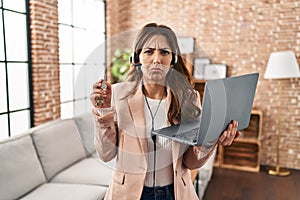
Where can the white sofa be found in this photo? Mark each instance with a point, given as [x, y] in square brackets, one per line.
[53, 161]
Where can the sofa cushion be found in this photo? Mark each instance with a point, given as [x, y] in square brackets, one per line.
[85, 125]
[52, 191]
[58, 145]
[20, 169]
[87, 171]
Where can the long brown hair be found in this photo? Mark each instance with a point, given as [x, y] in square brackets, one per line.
[183, 97]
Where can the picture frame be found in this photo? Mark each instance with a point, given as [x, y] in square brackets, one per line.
[186, 44]
[215, 71]
[199, 68]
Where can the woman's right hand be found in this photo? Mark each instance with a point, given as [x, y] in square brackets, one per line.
[101, 95]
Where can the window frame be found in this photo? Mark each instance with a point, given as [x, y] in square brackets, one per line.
[73, 63]
[27, 62]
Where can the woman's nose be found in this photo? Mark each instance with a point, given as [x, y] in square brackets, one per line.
[156, 58]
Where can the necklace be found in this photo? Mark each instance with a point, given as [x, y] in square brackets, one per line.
[153, 115]
[148, 106]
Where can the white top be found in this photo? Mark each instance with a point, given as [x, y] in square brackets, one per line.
[164, 169]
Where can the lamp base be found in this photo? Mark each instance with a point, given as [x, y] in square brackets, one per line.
[277, 171]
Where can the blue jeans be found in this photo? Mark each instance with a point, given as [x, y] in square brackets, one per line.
[158, 193]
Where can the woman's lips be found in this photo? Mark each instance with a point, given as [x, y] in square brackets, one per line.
[156, 69]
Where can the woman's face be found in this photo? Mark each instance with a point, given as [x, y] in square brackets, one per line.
[156, 57]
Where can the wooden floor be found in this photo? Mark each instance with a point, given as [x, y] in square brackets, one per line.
[227, 184]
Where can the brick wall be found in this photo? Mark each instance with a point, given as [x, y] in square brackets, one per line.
[45, 60]
[240, 34]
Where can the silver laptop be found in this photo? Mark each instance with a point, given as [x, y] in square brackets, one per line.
[224, 100]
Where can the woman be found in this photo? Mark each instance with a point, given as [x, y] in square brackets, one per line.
[158, 93]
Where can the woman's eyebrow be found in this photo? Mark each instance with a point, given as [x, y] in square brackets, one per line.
[165, 48]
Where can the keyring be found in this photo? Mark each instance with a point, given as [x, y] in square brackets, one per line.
[99, 101]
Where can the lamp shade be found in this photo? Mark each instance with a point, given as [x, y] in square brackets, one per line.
[282, 64]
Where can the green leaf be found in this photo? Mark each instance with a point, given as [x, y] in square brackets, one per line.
[120, 63]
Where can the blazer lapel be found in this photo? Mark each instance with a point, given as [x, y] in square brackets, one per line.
[136, 107]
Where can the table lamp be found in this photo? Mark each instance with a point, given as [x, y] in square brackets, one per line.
[281, 65]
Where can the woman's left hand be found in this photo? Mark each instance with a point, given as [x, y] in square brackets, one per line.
[230, 134]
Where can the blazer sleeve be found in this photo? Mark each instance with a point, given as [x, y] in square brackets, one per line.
[106, 139]
[196, 156]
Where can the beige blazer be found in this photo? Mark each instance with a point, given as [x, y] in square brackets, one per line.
[128, 144]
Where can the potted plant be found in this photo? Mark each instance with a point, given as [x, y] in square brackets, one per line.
[120, 64]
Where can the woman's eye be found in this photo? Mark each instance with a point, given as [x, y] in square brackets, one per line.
[149, 52]
[165, 52]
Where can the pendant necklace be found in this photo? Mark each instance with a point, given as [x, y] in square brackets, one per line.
[153, 115]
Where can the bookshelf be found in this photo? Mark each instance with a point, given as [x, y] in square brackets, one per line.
[244, 153]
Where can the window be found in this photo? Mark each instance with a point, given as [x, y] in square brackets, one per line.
[81, 52]
[15, 105]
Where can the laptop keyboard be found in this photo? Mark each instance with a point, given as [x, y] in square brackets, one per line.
[189, 135]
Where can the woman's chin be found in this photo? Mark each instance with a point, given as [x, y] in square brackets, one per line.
[157, 79]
